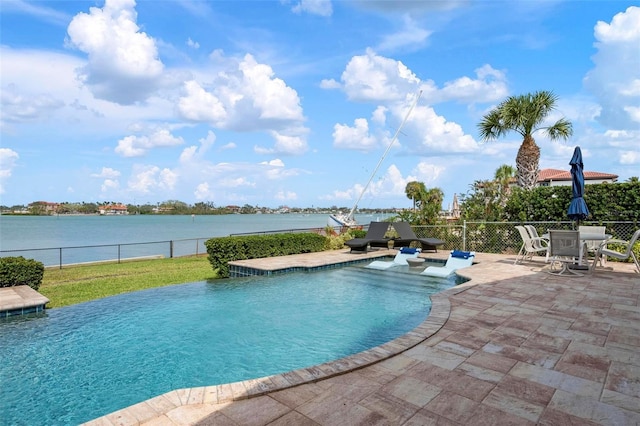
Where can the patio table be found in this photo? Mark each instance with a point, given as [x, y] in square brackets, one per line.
[584, 237]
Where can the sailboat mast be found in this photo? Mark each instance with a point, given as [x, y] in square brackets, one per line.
[395, 136]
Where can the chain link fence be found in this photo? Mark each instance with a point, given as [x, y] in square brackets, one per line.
[503, 238]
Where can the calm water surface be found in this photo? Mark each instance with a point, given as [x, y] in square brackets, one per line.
[52, 232]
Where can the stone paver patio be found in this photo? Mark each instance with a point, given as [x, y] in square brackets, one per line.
[513, 346]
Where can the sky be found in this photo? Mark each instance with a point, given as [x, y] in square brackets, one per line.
[294, 102]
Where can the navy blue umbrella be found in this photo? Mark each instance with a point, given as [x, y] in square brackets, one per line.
[577, 208]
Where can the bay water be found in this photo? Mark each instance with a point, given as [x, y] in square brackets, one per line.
[64, 239]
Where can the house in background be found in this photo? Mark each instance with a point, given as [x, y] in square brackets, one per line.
[114, 209]
[556, 177]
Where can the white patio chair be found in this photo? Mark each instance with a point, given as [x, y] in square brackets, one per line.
[627, 253]
[538, 242]
[528, 248]
[591, 246]
[564, 248]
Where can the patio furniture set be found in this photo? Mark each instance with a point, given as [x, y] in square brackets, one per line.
[568, 250]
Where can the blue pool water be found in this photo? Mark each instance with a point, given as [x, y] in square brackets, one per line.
[74, 364]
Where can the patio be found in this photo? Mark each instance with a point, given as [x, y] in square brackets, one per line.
[514, 345]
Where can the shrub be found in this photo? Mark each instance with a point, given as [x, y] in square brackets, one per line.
[222, 250]
[358, 233]
[20, 271]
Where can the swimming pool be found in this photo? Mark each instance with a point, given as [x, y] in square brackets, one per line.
[74, 364]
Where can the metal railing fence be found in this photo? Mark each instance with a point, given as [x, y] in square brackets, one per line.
[67, 256]
[486, 237]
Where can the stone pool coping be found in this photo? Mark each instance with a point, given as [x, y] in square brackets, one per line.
[20, 300]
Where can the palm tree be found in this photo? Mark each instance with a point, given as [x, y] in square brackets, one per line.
[415, 191]
[503, 177]
[525, 114]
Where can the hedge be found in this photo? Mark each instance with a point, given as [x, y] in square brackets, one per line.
[222, 250]
[16, 271]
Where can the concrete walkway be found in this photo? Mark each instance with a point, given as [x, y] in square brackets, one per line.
[514, 346]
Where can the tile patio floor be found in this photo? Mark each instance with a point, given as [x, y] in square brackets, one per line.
[513, 346]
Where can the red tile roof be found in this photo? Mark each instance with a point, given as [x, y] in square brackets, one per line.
[547, 175]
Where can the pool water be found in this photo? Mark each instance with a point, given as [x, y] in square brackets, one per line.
[74, 364]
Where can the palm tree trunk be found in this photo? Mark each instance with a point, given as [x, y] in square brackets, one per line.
[527, 162]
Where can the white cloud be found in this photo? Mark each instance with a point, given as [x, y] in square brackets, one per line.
[314, 7]
[330, 84]
[36, 10]
[203, 192]
[195, 153]
[246, 96]
[390, 184]
[286, 195]
[275, 163]
[136, 146]
[489, 86]
[236, 182]
[109, 185]
[8, 159]
[200, 105]
[374, 78]
[427, 172]
[18, 107]
[411, 36]
[147, 179]
[193, 44]
[123, 61]
[379, 116]
[230, 145]
[434, 133]
[615, 76]
[356, 137]
[107, 173]
[630, 157]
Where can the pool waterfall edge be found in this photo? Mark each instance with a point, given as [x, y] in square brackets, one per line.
[236, 391]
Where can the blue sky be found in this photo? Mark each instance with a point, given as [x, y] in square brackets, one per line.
[274, 103]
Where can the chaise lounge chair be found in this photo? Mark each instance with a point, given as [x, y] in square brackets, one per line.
[407, 236]
[401, 259]
[374, 237]
[457, 259]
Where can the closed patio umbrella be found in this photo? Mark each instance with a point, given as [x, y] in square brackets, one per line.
[578, 207]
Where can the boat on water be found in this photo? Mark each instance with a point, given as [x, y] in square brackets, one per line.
[348, 220]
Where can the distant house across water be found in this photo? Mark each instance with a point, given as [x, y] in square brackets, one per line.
[114, 209]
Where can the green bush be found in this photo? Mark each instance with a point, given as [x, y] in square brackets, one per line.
[358, 233]
[606, 202]
[222, 250]
[20, 271]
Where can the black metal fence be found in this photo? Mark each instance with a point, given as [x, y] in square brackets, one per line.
[61, 256]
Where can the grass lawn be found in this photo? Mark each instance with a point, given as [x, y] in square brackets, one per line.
[75, 284]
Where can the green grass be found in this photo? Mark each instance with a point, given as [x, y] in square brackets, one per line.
[76, 284]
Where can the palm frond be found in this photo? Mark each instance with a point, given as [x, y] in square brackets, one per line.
[562, 129]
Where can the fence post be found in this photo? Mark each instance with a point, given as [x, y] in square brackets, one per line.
[60, 257]
[118, 253]
[171, 249]
[464, 235]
